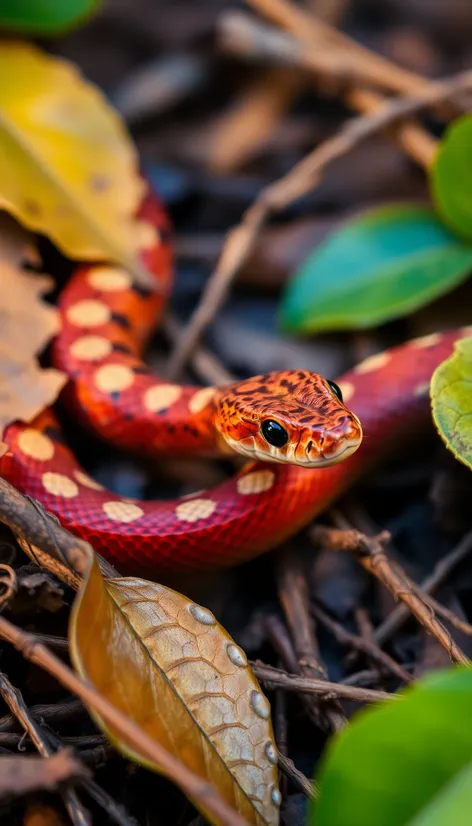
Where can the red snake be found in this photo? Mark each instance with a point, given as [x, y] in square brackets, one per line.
[282, 421]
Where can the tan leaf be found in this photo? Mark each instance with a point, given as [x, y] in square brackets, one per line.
[68, 168]
[26, 325]
[169, 665]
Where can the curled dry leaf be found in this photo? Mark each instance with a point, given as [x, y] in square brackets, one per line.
[169, 665]
[68, 168]
[26, 326]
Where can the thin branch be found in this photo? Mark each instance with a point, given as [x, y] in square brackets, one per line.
[362, 644]
[192, 784]
[275, 677]
[277, 196]
[442, 570]
[15, 702]
[370, 553]
[297, 777]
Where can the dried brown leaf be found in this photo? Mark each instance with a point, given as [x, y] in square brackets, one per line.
[27, 324]
[175, 671]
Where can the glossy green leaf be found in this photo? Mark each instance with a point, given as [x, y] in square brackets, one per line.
[451, 177]
[453, 805]
[451, 400]
[44, 16]
[394, 761]
[382, 265]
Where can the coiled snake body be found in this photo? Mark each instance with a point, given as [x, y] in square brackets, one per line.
[281, 421]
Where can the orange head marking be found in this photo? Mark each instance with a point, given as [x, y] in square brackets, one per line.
[295, 417]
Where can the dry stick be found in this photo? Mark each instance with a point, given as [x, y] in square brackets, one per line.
[282, 644]
[293, 595]
[243, 34]
[369, 552]
[192, 784]
[362, 644]
[277, 196]
[306, 27]
[441, 571]
[272, 676]
[14, 700]
[30, 523]
[53, 712]
[297, 777]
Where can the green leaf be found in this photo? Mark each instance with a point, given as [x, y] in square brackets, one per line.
[47, 17]
[451, 400]
[393, 761]
[451, 177]
[383, 265]
[452, 805]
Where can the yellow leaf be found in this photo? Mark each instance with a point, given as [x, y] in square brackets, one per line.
[169, 665]
[67, 166]
[26, 326]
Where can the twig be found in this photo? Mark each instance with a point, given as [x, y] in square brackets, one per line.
[323, 688]
[19, 776]
[207, 366]
[113, 809]
[54, 712]
[282, 644]
[297, 777]
[192, 784]
[293, 595]
[361, 644]
[369, 552]
[14, 700]
[308, 28]
[277, 196]
[441, 571]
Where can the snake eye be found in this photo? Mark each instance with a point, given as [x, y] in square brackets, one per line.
[336, 390]
[274, 433]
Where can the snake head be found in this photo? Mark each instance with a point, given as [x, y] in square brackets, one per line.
[296, 417]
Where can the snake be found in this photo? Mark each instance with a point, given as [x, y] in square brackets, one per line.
[306, 438]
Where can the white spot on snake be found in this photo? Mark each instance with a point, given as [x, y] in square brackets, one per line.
[426, 341]
[146, 235]
[372, 363]
[36, 445]
[108, 279]
[86, 481]
[112, 378]
[271, 752]
[122, 511]
[256, 482]
[260, 704]
[161, 396]
[201, 399]
[347, 389]
[90, 348]
[88, 313]
[195, 509]
[202, 615]
[236, 654]
[275, 796]
[59, 485]
[422, 389]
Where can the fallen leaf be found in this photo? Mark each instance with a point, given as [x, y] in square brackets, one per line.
[26, 325]
[381, 265]
[451, 397]
[21, 775]
[169, 665]
[68, 168]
